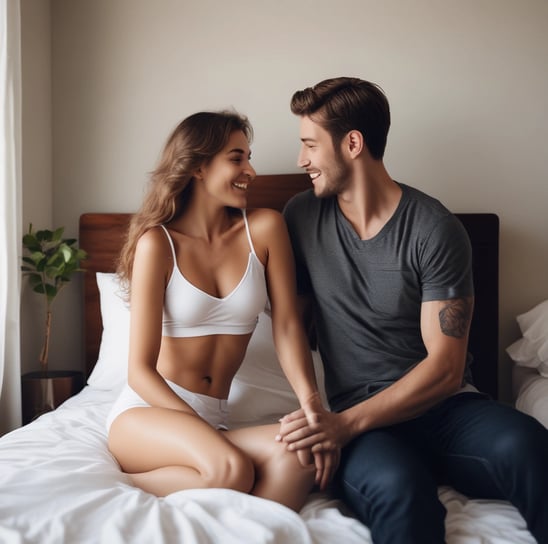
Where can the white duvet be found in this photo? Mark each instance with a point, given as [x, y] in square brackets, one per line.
[59, 484]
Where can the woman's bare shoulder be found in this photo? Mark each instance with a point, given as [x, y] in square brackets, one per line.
[268, 231]
[265, 219]
[153, 243]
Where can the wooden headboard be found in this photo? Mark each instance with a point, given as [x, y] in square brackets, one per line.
[102, 236]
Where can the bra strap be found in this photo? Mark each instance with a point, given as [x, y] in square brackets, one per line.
[247, 232]
[171, 244]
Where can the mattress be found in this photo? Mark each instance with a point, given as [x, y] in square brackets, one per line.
[60, 485]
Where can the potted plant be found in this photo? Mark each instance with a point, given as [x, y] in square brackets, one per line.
[49, 263]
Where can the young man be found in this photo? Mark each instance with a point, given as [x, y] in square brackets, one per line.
[388, 269]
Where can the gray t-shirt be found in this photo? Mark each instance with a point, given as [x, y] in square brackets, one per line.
[368, 293]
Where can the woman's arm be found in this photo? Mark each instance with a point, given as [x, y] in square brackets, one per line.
[272, 244]
[151, 269]
[292, 347]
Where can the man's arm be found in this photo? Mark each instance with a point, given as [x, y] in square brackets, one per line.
[444, 327]
[305, 307]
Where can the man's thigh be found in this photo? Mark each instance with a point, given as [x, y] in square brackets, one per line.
[390, 460]
[481, 444]
[386, 477]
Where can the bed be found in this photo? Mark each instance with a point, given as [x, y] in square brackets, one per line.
[59, 484]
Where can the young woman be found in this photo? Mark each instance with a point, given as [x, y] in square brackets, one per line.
[199, 269]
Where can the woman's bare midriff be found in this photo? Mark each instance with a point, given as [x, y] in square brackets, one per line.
[202, 364]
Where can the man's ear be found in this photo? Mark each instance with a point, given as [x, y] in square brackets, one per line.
[353, 143]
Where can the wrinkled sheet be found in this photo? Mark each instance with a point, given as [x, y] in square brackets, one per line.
[60, 485]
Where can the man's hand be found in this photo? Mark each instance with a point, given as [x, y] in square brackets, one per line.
[314, 432]
[319, 431]
[326, 464]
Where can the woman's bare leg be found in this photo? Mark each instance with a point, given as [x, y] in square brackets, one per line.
[166, 451]
[279, 476]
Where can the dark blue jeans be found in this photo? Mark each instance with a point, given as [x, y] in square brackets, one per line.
[482, 448]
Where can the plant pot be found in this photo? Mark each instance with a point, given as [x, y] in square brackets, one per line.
[45, 391]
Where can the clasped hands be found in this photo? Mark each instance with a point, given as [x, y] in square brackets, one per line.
[316, 436]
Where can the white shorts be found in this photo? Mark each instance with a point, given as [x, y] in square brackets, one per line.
[212, 410]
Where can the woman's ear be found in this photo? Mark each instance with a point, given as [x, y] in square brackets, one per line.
[198, 174]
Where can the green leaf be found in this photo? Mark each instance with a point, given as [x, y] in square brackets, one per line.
[66, 252]
[44, 235]
[31, 243]
[53, 272]
[35, 279]
[39, 288]
[58, 234]
[51, 292]
[55, 260]
[39, 260]
[37, 257]
[50, 261]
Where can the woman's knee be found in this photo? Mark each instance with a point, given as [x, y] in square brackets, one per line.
[234, 470]
[289, 465]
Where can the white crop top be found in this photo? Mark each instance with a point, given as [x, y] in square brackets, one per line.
[189, 311]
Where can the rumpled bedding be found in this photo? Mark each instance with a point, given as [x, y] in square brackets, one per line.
[60, 485]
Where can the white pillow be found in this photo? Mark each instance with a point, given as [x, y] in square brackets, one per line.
[110, 371]
[532, 349]
[523, 353]
[260, 392]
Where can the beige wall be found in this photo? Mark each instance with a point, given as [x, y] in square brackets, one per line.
[466, 81]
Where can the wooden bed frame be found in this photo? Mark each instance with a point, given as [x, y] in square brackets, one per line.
[102, 236]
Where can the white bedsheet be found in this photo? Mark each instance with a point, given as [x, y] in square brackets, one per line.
[59, 485]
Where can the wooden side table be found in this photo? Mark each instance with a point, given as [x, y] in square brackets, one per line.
[45, 391]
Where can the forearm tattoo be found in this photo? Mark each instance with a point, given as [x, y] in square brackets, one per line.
[455, 317]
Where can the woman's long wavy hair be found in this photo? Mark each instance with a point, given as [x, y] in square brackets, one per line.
[193, 143]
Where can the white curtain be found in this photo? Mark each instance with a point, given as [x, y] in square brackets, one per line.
[10, 214]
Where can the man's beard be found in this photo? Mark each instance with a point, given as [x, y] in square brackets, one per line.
[336, 179]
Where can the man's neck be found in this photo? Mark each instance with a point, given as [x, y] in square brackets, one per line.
[370, 199]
